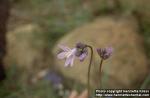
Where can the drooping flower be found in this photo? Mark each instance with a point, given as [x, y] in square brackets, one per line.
[105, 53]
[82, 51]
[79, 51]
[68, 54]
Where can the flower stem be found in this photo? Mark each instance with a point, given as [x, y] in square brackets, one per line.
[100, 69]
[89, 67]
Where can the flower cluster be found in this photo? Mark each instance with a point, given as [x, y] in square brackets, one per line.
[105, 53]
[80, 51]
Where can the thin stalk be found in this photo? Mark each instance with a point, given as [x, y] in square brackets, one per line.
[89, 67]
[100, 69]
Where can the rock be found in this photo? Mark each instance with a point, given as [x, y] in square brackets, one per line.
[25, 47]
[126, 68]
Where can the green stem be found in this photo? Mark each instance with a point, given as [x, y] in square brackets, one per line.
[90, 63]
[100, 69]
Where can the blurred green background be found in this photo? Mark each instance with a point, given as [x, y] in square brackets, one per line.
[55, 19]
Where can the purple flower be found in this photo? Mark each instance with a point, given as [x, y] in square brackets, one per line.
[81, 45]
[54, 78]
[79, 51]
[82, 51]
[68, 54]
[105, 53]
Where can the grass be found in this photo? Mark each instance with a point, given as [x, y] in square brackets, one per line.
[146, 35]
[17, 85]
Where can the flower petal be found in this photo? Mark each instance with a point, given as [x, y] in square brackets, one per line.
[109, 50]
[61, 55]
[82, 57]
[64, 48]
[72, 60]
[69, 61]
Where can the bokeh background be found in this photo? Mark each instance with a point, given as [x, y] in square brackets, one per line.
[36, 27]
